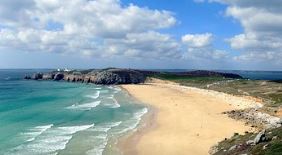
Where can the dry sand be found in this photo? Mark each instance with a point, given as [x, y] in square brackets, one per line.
[186, 121]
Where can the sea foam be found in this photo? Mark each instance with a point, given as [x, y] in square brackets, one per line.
[50, 141]
[133, 122]
[113, 104]
[84, 106]
[36, 131]
[95, 96]
[100, 141]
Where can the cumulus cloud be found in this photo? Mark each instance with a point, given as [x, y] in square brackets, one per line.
[197, 40]
[262, 23]
[93, 28]
[199, 47]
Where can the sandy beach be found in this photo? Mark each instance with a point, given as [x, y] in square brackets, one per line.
[185, 121]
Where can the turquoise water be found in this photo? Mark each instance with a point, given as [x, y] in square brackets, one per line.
[46, 117]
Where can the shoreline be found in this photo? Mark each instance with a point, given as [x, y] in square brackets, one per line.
[137, 142]
[127, 143]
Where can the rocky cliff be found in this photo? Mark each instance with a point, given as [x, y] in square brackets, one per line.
[118, 76]
[103, 77]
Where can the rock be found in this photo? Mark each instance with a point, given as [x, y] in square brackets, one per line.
[107, 78]
[58, 76]
[260, 137]
[250, 142]
[265, 146]
[118, 76]
[37, 76]
[27, 77]
[48, 76]
[274, 138]
[232, 148]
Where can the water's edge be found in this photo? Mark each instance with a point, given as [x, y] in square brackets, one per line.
[127, 143]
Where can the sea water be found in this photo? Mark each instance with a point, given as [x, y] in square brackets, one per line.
[48, 117]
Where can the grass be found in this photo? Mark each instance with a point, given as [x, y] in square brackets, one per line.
[188, 80]
[269, 91]
[274, 147]
[276, 98]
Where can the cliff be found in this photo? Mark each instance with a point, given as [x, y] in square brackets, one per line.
[111, 76]
[103, 76]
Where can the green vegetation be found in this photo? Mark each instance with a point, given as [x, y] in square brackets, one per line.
[200, 82]
[276, 98]
[269, 91]
[271, 146]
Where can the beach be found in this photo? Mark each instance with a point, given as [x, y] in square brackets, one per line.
[184, 120]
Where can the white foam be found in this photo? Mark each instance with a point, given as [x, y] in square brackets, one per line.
[115, 103]
[36, 131]
[115, 88]
[95, 96]
[106, 126]
[51, 141]
[85, 106]
[132, 123]
[101, 140]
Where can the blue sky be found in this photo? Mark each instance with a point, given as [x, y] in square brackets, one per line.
[198, 34]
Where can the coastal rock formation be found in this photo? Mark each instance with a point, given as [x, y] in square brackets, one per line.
[37, 76]
[119, 76]
[103, 77]
[255, 118]
[116, 76]
[58, 76]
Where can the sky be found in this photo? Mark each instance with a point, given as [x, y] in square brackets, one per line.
[146, 34]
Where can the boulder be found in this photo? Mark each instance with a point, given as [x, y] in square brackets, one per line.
[232, 148]
[260, 137]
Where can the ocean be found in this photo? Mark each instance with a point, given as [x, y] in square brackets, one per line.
[47, 117]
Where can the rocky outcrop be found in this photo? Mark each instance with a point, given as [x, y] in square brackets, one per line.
[103, 77]
[119, 76]
[58, 76]
[37, 76]
[116, 76]
[255, 118]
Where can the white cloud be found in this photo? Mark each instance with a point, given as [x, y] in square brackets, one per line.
[262, 23]
[199, 47]
[92, 28]
[197, 40]
[98, 28]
